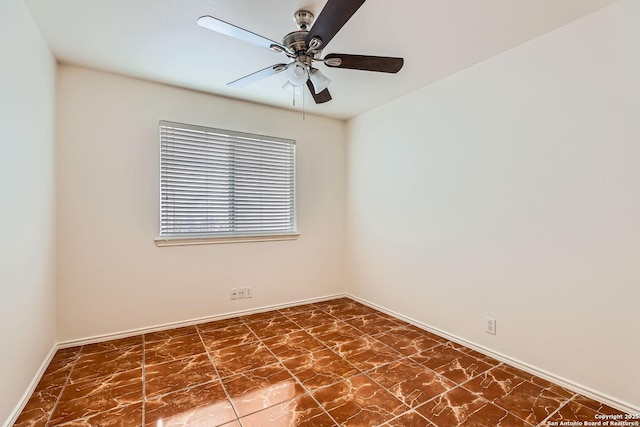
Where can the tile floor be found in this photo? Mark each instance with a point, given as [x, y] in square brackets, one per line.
[334, 363]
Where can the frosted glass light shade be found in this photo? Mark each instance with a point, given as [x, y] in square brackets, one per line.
[297, 73]
[319, 80]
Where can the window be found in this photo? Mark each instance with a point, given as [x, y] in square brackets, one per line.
[219, 185]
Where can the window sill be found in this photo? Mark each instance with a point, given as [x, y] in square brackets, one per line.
[187, 241]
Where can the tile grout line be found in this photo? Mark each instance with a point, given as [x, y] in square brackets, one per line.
[308, 392]
[66, 382]
[545, 421]
[365, 372]
[404, 357]
[279, 361]
[388, 391]
[190, 356]
[410, 408]
[189, 387]
[524, 380]
[407, 413]
[541, 422]
[358, 370]
[215, 368]
[491, 402]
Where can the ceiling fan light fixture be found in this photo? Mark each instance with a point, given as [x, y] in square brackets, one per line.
[319, 80]
[297, 74]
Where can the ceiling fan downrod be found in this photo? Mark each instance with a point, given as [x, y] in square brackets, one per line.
[303, 19]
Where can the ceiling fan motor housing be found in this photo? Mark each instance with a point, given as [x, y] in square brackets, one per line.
[296, 41]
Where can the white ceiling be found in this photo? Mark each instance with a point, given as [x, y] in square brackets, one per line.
[159, 40]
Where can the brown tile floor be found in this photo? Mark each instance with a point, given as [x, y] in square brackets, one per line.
[326, 364]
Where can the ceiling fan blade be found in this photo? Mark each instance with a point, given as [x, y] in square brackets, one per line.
[382, 64]
[334, 15]
[258, 75]
[321, 97]
[215, 24]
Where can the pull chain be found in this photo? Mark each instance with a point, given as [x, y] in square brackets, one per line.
[304, 114]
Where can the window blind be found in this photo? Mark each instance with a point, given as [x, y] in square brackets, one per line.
[220, 183]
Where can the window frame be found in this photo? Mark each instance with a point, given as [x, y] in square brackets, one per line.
[235, 236]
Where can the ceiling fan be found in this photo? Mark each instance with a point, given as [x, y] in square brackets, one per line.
[304, 48]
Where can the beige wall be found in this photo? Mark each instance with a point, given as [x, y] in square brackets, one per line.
[112, 277]
[512, 189]
[27, 221]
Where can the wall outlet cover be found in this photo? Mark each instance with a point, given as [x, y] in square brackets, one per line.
[490, 325]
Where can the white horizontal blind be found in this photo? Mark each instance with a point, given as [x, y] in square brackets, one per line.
[219, 183]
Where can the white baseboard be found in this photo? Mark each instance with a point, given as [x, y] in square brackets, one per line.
[568, 384]
[32, 386]
[191, 322]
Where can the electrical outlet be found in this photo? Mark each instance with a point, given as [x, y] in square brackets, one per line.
[241, 293]
[490, 325]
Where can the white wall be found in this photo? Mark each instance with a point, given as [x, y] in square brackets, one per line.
[512, 189]
[27, 209]
[112, 277]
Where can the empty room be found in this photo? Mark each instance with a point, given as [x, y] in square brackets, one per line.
[320, 213]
